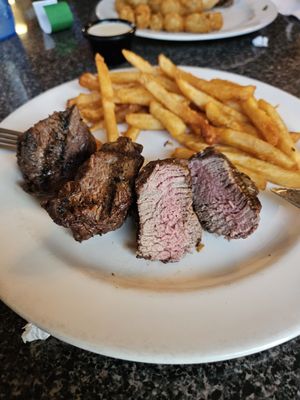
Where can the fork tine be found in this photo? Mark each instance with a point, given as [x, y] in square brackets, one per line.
[9, 132]
[8, 140]
[8, 146]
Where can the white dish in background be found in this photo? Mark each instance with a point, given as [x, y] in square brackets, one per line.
[231, 299]
[244, 16]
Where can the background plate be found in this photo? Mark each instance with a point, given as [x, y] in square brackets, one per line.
[244, 16]
[231, 299]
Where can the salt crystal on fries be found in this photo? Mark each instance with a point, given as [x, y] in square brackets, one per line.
[107, 94]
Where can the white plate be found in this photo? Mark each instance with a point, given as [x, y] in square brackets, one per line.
[244, 16]
[231, 299]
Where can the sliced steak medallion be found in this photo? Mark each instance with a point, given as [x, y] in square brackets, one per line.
[168, 225]
[98, 199]
[225, 199]
[51, 151]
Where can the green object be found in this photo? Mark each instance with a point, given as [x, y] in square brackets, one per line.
[60, 16]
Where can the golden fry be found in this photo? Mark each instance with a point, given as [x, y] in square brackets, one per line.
[285, 142]
[295, 136]
[255, 146]
[271, 172]
[137, 95]
[132, 133]
[92, 114]
[218, 88]
[218, 117]
[124, 76]
[170, 121]
[201, 99]
[261, 120]
[144, 122]
[89, 81]
[138, 62]
[107, 94]
[259, 180]
[181, 109]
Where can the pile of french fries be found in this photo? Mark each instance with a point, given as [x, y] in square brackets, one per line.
[196, 112]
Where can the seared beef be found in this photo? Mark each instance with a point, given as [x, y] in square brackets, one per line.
[51, 151]
[225, 199]
[97, 201]
[168, 225]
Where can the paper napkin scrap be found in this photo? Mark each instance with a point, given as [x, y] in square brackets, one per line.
[32, 332]
[260, 41]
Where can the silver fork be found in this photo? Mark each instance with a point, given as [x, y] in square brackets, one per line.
[8, 138]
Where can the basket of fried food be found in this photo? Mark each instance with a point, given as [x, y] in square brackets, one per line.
[192, 16]
[195, 112]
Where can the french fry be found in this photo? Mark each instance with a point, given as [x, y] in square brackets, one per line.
[285, 142]
[169, 120]
[218, 117]
[295, 136]
[124, 76]
[144, 122]
[181, 109]
[92, 99]
[89, 81]
[136, 95]
[257, 147]
[182, 152]
[122, 110]
[200, 98]
[235, 105]
[220, 89]
[107, 94]
[261, 120]
[132, 133]
[271, 172]
[92, 114]
[96, 126]
[138, 62]
[259, 180]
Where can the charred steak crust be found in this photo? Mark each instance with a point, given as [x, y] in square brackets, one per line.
[51, 151]
[168, 227]
[225, 199]
[98, 199]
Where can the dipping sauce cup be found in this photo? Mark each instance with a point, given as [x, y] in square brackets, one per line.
[108, 37]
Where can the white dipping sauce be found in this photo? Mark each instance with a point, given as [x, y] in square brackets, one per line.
[109, 29]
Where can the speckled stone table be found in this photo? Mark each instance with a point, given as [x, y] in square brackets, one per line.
[32, 63]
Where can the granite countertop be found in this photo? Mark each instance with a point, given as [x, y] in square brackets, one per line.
[34, 62]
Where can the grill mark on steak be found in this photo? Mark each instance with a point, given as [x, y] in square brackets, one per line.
[225, 199]
[168, 226]
[50, 152]
[98, 199]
